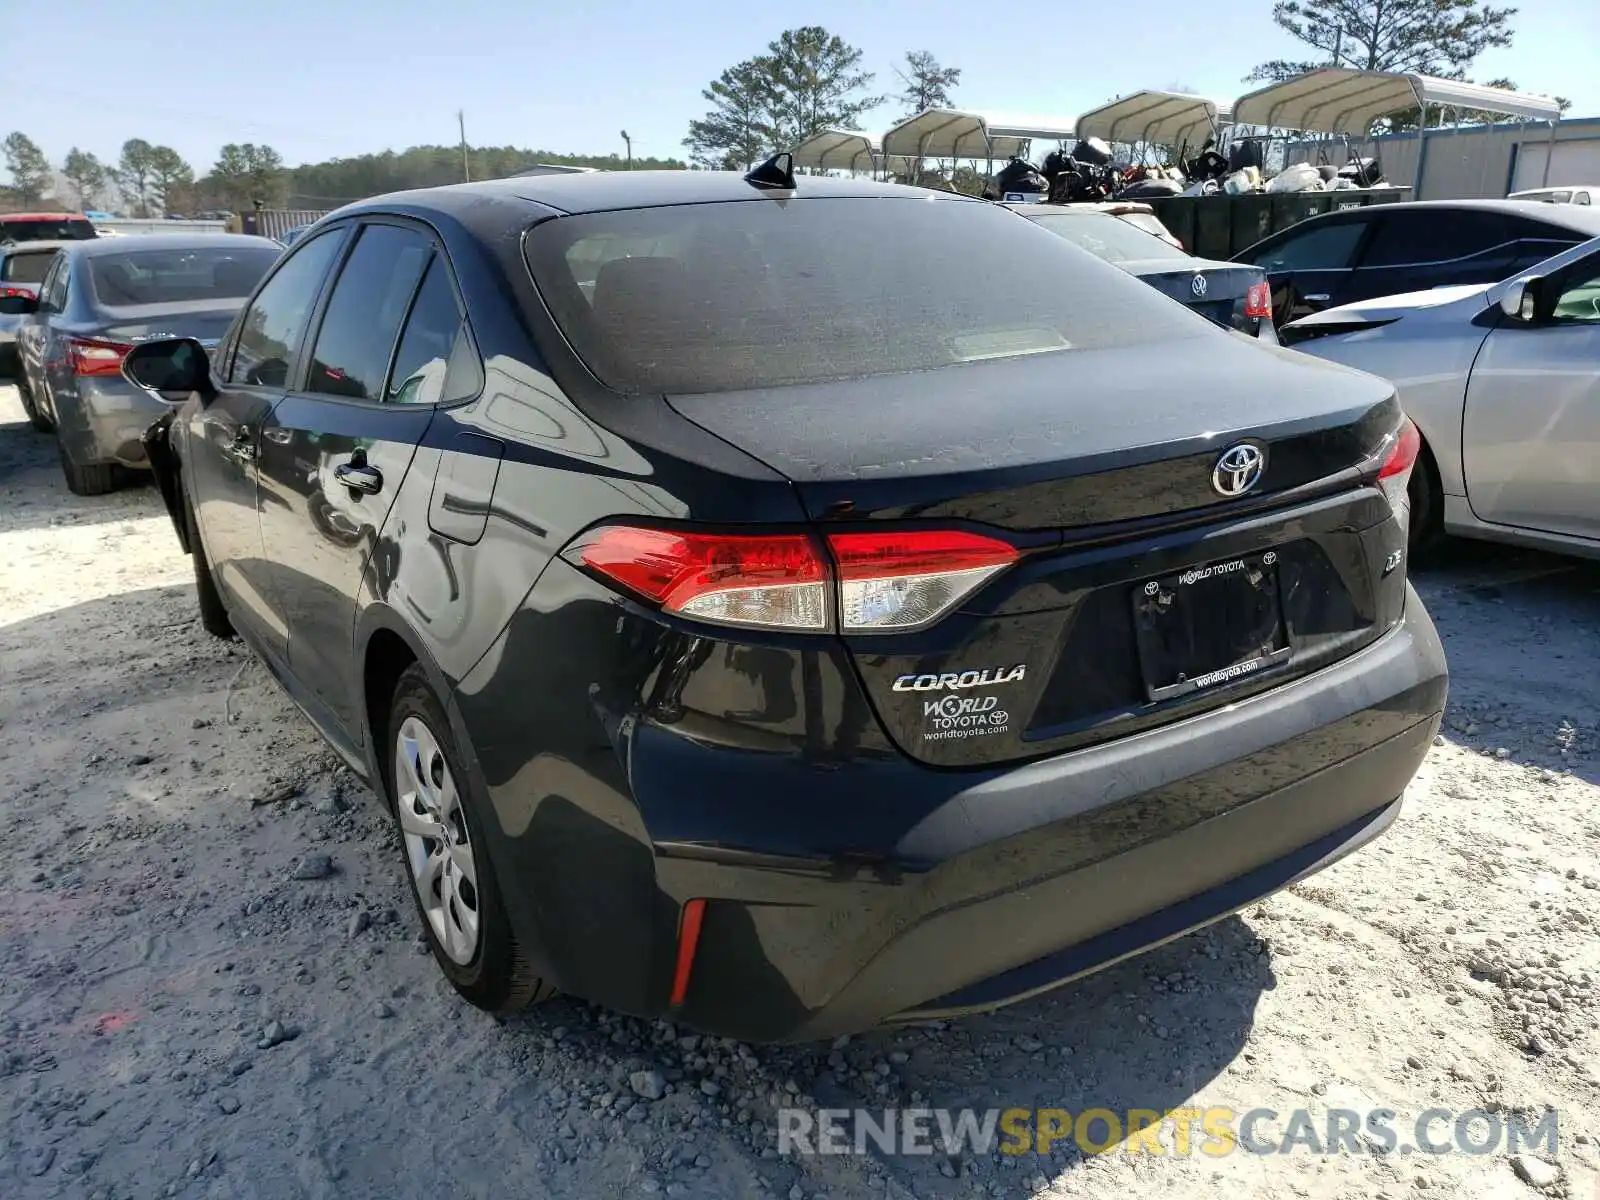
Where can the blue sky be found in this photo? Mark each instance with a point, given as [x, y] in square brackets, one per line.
[324, 78]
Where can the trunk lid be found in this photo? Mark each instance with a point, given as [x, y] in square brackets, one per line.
[1143, 595]
[1214, 290]
[204, 320]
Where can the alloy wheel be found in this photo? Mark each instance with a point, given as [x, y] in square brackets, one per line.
[438, 844]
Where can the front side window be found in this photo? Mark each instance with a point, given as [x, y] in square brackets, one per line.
[272, 328]
[364, 312]
[1322, 248]
[1579, 302]
[752, 294]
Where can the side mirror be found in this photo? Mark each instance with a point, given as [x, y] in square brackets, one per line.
[171, 369]
[1524, 299]
[18, 306]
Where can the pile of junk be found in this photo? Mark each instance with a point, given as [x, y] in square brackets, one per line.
[1089, 173]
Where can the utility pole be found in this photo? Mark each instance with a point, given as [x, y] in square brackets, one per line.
[466, 167]
[629, 142]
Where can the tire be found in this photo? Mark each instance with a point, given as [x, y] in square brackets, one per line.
[1425, 534]
[214, 617]
[463, 916]
[35, 418]
[93, 479]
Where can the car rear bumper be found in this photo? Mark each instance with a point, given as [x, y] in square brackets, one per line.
[947, 891]
[106, 422]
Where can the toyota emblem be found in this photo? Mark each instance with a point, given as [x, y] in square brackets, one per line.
[1198, 285]
[1239, 469]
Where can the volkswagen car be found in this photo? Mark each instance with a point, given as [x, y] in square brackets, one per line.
[753, 619]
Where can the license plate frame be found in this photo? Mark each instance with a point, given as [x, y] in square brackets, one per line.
[1210, 626]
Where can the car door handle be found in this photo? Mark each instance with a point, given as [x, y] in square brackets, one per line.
[1317, 298]
[359, 478]
[281, 436]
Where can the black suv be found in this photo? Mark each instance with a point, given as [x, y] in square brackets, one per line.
[1363, 253]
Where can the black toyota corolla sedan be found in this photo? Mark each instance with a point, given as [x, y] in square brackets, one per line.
[788, 606]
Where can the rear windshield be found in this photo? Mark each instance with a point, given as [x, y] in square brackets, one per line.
[66, 229]
[178, 276]
[724, 297]
[1108, 237]
[26, 268]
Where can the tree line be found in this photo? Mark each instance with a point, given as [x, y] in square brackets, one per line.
[152, 180]
[809, 79]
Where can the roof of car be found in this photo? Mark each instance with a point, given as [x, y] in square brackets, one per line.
[43, 216]
[92, 247]
[601, 191]
[1573, 216]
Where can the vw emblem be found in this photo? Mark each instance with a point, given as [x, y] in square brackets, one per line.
[1198, 285]
[1239, 469]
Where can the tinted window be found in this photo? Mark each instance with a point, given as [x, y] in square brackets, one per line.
[50, 229]
[53, 291]
[26, 268]
[1579, 301]
[178, 276]
[1438, 235]
[718, 297]
[1322, 247]
[271, 329]
[364, 313]
[1107, 237]
[435, 361]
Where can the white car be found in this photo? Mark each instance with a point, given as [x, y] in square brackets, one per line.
[1585, 194]
[1503, 381]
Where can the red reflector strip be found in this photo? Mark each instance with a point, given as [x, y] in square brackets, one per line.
[688, 940]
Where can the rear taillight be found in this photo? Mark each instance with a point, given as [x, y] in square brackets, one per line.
[1395, 474]
[16, 291]
[1258, 301]
[862, 582]
[903, 580]
[96, 358]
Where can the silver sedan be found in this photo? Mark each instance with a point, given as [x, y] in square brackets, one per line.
[1503, 380]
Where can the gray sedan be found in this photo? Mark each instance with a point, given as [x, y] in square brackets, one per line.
[97, 300]
[1503, 380]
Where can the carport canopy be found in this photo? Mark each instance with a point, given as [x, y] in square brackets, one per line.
[950, 133]
[1163, 118]
[837, 149]
[1339, 100]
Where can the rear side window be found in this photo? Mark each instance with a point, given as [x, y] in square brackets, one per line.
[1437, 235]
[178, 276]
[369, 300]
[26, 268]
[272, 328]
[1320, 248]
[749, 294]
[435, 362]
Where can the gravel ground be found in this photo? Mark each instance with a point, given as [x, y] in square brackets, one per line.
[213, 984]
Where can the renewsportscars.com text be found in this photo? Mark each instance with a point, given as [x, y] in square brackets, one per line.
[1181, 1131]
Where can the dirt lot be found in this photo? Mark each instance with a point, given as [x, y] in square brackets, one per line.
[180, 1015]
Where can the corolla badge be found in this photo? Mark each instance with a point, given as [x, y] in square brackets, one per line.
[1198, 285]
[1239, 469]
[987, 677]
